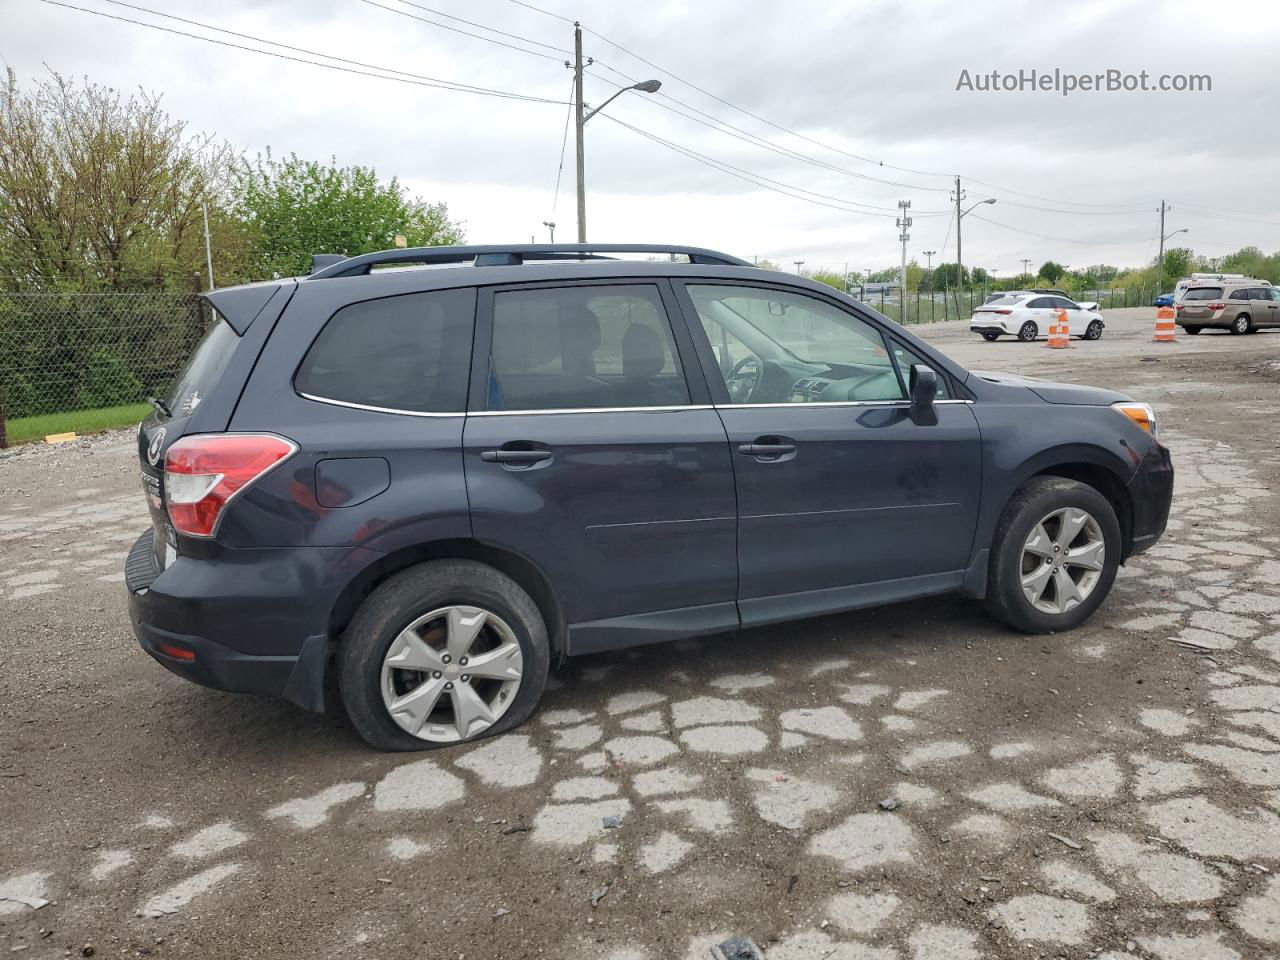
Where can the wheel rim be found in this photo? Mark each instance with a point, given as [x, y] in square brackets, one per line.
[1095, 330]
[451, 674]
[1242, 324]
[1062, 560]
[1028, 331]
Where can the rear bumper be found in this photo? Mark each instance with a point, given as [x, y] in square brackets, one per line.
[249, 621]
[1151, 493]
[987, 328]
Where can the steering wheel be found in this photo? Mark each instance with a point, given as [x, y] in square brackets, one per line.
[743, 379]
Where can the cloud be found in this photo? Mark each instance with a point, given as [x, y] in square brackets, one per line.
[867, 80]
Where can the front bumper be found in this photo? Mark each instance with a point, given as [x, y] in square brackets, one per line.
[246, 621]
[1151, 493]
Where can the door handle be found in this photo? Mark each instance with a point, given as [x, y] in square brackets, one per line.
[515, 456]
[766, 449]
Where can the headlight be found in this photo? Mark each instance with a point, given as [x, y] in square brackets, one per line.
[1139, 413]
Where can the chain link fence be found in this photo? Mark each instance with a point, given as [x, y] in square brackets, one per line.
[62, 352]
[937, 306]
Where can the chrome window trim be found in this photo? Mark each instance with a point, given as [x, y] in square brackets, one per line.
[539, 412]
[660, 409]
[373, 409]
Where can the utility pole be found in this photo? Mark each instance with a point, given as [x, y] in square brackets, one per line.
[1026, 268]
[929, 254]
[579, 121]
[846, 276]
[208, 245]
[959, 195]
[1160, 257]
[904, 224]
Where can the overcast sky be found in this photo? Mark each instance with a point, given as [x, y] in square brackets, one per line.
[866, 89]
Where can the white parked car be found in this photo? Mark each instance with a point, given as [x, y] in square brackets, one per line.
[1028, 316]
[1046, 292]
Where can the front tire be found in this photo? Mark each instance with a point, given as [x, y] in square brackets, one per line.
[1094, 331]
[1028, 332]
[1242, 324]
[1054, 556]
[443, 653]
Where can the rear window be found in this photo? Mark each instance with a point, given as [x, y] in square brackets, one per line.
[1003, 302]
[204, 369]
[410, 353]
[1203, 293]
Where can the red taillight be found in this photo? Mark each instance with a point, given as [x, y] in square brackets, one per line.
[1005, 312]
[1217, 306]
[203, 473]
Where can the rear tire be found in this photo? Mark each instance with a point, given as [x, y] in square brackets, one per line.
[1193, 330]
[1242, 324]
[990, 337]
[405, 599]
[1018, 558]
[1028, 332]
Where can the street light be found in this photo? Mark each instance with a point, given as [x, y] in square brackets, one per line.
[960, 216]
[645, 86]
[550, 225]
[1160, 264]
[799, 264]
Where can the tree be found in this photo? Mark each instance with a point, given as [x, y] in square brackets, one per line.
[1177, 263]
[945, 275]
[979, 275]
[1052, 271]
[830, 279]
[98, 190]
[294, 208]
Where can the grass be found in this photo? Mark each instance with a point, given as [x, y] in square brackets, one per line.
[81, 421]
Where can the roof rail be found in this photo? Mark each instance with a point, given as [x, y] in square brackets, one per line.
[496, 255]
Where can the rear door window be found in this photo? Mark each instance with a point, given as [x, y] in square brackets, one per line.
[1259, 293]
[1204, 293]
[583, 347]
[410, 353]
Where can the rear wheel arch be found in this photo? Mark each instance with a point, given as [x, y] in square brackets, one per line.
[520, 569]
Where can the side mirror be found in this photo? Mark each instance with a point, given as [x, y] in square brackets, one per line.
[924, 390]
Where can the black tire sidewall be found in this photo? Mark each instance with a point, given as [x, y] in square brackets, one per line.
[1235, 324]
[1022, 330]
[1036, 499]
[1093, 331]
[407, 596]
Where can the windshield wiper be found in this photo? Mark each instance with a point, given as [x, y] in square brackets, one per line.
[160, 406]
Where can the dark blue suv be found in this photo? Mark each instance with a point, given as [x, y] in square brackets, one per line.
[426, 473]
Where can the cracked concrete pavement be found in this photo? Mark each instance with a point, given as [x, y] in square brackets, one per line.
[913, 782]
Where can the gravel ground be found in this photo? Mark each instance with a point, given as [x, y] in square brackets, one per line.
[912, 782]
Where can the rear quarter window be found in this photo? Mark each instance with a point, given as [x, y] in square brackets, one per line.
[408, 353]
[204, 369]
[1203, 293]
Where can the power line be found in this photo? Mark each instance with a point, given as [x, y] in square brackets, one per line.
[545, 13]
[1042, 236]
[564, 140]
[418, 80]
[798, 193]
[445, 26]
[481, 26]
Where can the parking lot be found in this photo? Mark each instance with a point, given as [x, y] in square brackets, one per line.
[913, 782]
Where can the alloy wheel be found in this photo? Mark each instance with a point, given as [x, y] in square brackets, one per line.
[1062, 560]
[452, 673]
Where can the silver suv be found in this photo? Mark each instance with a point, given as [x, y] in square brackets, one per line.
[1241, 306]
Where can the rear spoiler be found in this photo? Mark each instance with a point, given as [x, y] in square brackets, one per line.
[240, 306]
